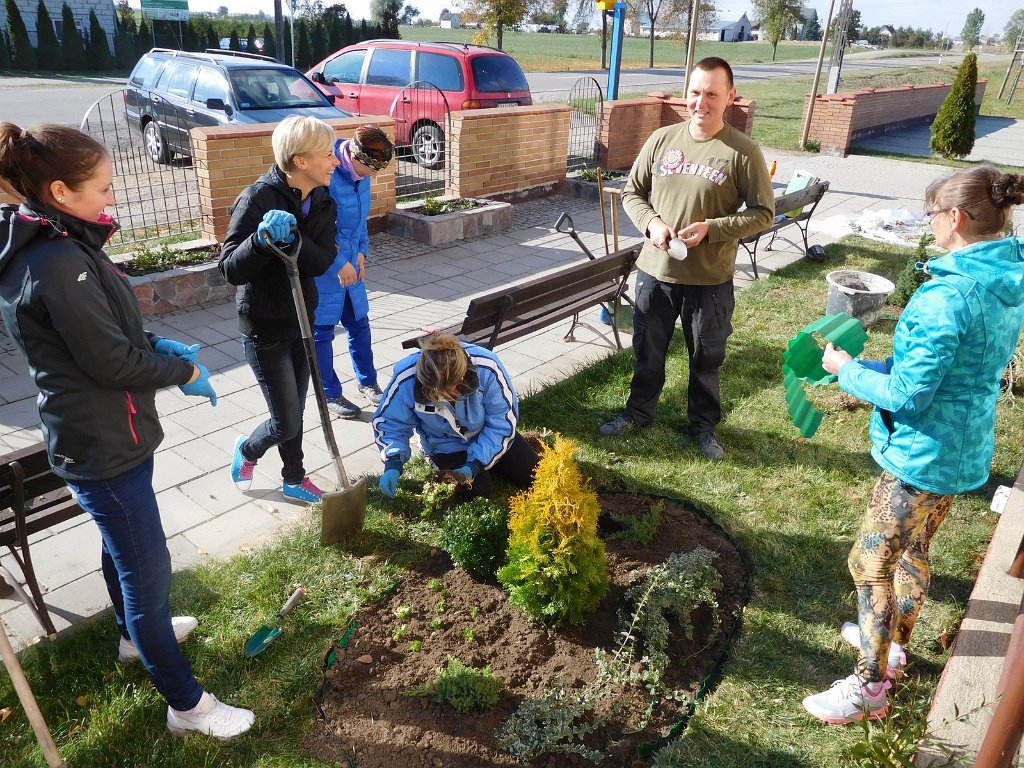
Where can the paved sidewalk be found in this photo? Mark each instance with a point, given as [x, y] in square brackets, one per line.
[411, 286]
[997, 140]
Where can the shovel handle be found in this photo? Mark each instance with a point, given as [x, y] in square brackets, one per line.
[297, 595]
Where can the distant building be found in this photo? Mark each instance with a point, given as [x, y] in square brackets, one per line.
[887, 31]
[452, 22]
[79, 8]
[728, 31]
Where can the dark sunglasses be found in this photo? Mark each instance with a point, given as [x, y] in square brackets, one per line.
[375, 163]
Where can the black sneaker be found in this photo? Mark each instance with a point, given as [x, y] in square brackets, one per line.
[372, 393]
[709, 446]
[616, 426]
[342, 406]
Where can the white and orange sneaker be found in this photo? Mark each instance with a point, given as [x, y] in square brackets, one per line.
[849, 700]
[211, 717]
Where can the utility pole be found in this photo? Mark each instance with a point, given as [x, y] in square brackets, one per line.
[293, 3]
[279, 30]
[835, 66]
[692, 40]
[817, 77]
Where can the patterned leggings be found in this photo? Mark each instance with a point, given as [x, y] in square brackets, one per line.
[889, 565]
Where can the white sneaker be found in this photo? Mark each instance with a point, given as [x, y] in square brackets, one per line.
[183, 627]
[210, 717]
[897, 657]
[849, 700]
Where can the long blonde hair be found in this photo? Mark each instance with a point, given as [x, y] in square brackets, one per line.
[441, 368]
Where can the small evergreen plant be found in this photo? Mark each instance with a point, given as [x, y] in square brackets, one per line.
[124, 48]
[212, 41]
[144, 42]
[912, 278]
[465, 688]
[97, 52]
[557, 571]
[48, 50]
[72, 46]
[953, 127]
[475, 534]
[234, 43]
[23, 55]
[250, 40]
[269, 42]
[5, 55]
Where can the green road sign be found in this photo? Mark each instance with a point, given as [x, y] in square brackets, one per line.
[167, 10]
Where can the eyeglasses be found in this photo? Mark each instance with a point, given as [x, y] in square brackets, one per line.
[929, 215]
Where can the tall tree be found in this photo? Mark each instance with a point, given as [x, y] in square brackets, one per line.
[250, 40]
[1013, 27]
[5, 55]
[317, 44]
[972, 28]
[776, 17]
[72, 48]
[409, 13]
[953, 127]
[48, 50]
[303, 56]
[672, 14]
[386, 13]
[126, 17]
[124, 48]
[852, 27]
[212, 40]
[812, 30]
[234, 44]
[499, 15]
[23, 55]
[269, 44]
[97, 52]
[145, 39]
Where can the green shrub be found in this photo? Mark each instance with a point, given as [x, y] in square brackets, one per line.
[5, 55]
[145, 39]
[23, 55]
[953, 127]
[270, 43]
[72, 46]
[465, 688]
[97, 52]
[912, 278]
[435, 206]
[557, 571]
[124, 48]
[161, 259]
[48, 50]
[250, 40]
[475, 535]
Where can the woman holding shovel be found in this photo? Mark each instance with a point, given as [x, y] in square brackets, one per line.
[933, 426]
[459, 399]
[291, 195]
[74, 316]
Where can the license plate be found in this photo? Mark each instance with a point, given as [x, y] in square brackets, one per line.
[508, 104]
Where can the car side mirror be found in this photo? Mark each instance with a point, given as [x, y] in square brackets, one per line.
[218, 104]
[318, 77]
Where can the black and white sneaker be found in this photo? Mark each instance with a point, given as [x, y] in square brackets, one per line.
[372, 394]
[342, 406]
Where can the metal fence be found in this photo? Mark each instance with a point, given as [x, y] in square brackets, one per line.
[423, 130]
[587, 102]
[153, 199]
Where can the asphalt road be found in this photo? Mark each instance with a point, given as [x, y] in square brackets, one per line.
[27, 101]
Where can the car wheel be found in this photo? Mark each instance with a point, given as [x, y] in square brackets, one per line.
[156, 147]
[428, 146]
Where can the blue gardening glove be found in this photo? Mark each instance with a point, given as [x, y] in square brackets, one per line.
[177, 349]
[389, 482]
[277, 224]
[466, 471]
[201, 387]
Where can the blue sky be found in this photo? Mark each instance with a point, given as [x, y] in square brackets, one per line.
[939, 15]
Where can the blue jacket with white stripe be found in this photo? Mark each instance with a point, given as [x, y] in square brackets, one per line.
[481, 422]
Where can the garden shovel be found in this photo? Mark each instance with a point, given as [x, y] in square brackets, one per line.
[344, 510]
[265, 635]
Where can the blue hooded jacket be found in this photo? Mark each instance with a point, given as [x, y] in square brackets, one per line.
[482, 422]
[934, 421]
[352, 238]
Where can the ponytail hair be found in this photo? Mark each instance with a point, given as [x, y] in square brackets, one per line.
[441, 368]
[31, 160]
[985, 193]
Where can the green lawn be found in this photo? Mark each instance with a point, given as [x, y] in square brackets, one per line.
[794, 505]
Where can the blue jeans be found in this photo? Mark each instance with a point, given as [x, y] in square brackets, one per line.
[137, 569]
[358, 330]
[282, 372]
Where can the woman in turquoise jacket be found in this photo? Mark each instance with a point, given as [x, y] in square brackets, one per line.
[342, 290]
[933, 427]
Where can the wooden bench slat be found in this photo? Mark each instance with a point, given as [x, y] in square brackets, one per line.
[806, 199]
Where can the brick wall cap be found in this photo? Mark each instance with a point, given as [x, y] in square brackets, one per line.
[535, 109]
[249, 130]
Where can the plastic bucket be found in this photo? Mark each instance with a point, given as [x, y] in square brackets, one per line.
[859, 294]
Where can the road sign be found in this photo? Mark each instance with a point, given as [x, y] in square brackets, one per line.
[166, 10]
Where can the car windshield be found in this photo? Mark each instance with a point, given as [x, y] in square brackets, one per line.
[498, 73]
[274, 89]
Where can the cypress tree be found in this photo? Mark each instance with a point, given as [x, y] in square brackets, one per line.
[317, 44]
[5, 56]
[953, 127]
[72, 46]
[144, 42]
[288, 41]
[334, 34]
[348, 33]
[303, 55]
[48, 50]
[250, 40]
[97, 52]
[269, 44]
[190, 38]
[23, 55]
[234, 44]
[212, 40]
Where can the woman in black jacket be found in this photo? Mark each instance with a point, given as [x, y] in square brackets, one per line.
[292, 194]
[74, 316]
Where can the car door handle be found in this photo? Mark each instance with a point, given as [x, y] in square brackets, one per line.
[155, 99]
[190, 112]
[406, 100]
[352, 95]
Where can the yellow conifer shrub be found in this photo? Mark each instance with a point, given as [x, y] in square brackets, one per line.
[557, 570]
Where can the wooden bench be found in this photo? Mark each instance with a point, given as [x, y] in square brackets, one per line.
[517, 310]
[32, 499]
[805, 200]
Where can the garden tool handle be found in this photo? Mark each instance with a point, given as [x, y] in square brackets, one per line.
[297, 595]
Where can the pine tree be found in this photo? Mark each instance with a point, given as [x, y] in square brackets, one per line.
[234, 44]
[144, 42]
[250, 40]
[190, 38]
[97, 52]
[334, 34]
[348, 34]
[124, 48]
[48, 49]
[303, 55]
[212, 40]
[5, 56]
[317, 44]
[269, 43]
[953, 127]
[72, 47]
[23, 55]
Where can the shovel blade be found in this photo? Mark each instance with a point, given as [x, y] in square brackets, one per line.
[344, 512]
[259, 641]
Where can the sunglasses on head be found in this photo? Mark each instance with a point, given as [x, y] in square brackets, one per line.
[376, 163]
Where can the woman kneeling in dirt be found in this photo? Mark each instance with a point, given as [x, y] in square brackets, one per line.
[459, 399]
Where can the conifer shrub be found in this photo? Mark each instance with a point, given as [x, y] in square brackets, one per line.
[5, 55]
[144, 42]
[557, 571]
[269, 41]
[912, 278]
[212, 41]
[303, 53]
[48, 50]
[465, 688]
[72, 46]
[124, 48]
[250, 40]
[23, 55]
[234, 43]
[475, 534]
[953, 127]
[97, 52]
[190, 38]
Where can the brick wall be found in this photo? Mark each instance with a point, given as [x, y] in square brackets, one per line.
[628, 123]
[841, 119]
[227, 159]
[500, 150]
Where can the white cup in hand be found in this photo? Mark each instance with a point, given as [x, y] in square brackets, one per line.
[677, 249]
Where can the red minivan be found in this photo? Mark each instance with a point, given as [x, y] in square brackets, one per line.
[371, 78]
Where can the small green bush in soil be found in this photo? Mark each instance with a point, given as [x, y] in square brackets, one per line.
[161, 259]
[475, 535]
[953, 127]
[435, 206]
[465, 688]
[912, 278]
